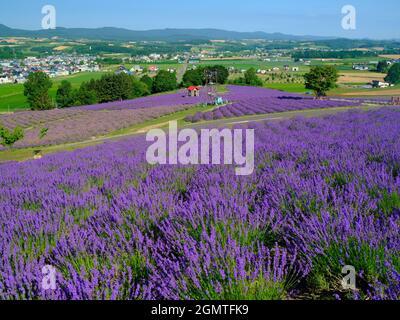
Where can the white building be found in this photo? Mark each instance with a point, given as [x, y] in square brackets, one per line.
[136, 69]
[380, 84]
[4, 80]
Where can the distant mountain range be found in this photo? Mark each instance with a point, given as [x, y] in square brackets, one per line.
[169, 35]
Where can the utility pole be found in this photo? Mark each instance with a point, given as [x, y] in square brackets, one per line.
[211, 77]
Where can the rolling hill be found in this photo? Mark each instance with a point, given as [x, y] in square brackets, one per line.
[169, 35]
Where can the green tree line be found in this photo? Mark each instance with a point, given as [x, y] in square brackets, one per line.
[110, 87]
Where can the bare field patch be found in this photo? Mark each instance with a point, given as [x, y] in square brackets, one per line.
[61, 48]
[360, 77]
[390, 56]
[376, 92]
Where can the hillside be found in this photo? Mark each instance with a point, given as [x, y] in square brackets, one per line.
[111, 33]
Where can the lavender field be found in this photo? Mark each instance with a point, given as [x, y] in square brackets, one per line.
[83, 123]
[72, 125]
[325, 194]
[162, 100]
[245, 101]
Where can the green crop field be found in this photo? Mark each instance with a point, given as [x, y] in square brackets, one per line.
[345, 64]
[288, 87]
[12, 95]
[253, 63]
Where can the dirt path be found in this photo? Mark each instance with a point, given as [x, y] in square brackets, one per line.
[182, 70]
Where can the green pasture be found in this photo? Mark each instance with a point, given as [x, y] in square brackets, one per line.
[253, 63]
[12, 95]
[288, 87]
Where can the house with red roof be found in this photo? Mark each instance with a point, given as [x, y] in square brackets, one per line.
[193, 91]
[153, 68]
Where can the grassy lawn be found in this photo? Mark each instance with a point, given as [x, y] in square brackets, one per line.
[288, 87]
[12, 95]
[162, 65]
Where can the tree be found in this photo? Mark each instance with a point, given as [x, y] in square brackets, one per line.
[164, 81]
[36, 89]
[393, 76]
[8, 138]
[251, 78]
[217, 74]
[382, 67]
[65, 95]
[123, 83]
[113, 87]
[192, 78]
[148, 81]
[321, 79]
[139, 89]
[86, 94]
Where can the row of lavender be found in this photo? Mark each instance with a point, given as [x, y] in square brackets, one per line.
[162, 100]
[325, 193]
[264, 106]
[27, 119]
[252, 101]
[92, 124]
[84, 125]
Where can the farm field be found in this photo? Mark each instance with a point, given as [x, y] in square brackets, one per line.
[257, 64]
[12, 95]
[377, 92]
[344, 64]
[357, 92]
[390, 56]
[360, 77]
[288, 87]
[325, 193]
[161, 65]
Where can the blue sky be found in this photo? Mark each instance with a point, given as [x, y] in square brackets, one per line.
[375, 19]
